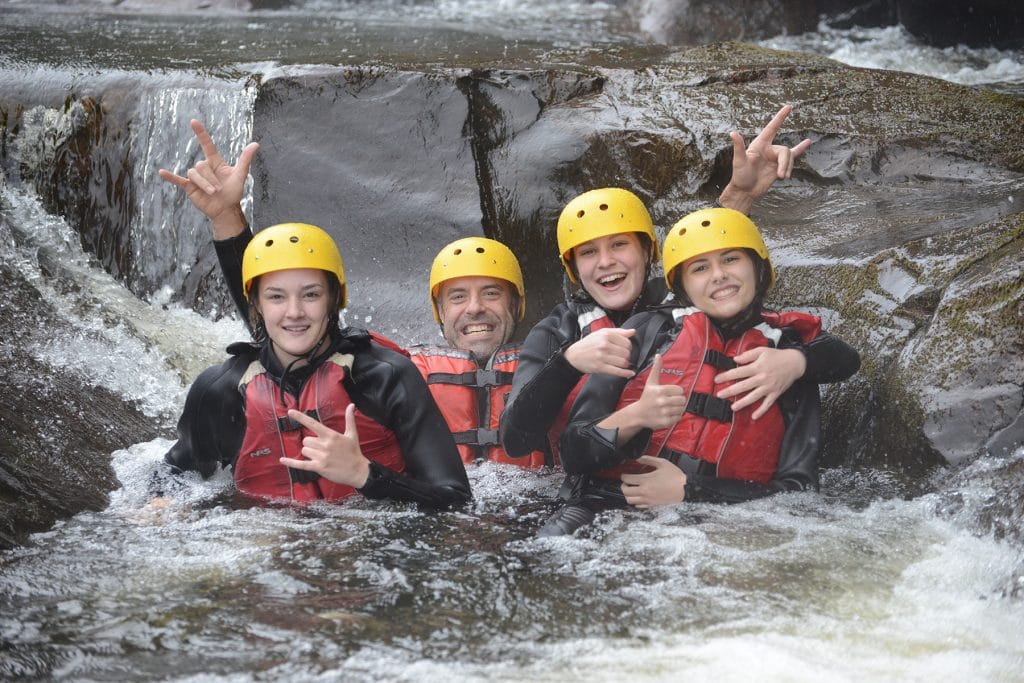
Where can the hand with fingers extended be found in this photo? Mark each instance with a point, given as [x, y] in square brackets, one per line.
[664, 485]
[756, 168]
[761, 374]
[214, 186]
[602, 351]
[334, 456]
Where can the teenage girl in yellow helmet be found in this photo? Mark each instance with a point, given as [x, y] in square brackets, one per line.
[312, 411]
[607, 246]
[671, 433]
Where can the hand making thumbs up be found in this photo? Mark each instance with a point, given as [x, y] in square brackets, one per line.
[660, 405]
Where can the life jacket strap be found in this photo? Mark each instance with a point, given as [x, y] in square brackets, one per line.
[472, 378]
[709, 406]
[691, 465]
[477, 437]
[287, 424]
[719, 360]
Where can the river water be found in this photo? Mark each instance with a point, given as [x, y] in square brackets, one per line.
[869, 580]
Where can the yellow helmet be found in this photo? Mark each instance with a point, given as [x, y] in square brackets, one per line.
[710, 230]
[292, 245]
[600, 213]
[479, 257]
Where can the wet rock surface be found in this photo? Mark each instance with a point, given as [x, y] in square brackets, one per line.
[56, 431]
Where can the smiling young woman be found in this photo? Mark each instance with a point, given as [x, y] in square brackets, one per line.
[312, 411]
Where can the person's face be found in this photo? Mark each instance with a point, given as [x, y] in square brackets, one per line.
[294, 304]
[721, 283]
[476, 313]
[612, 269]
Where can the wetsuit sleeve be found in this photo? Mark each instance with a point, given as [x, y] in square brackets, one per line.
[829, 359]
[542, 382]
[586, 448]
[229, 255]
[388, 388]
[799, 456]
[211, 426]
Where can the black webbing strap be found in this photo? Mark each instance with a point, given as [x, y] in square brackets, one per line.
[477, 437]
[472, 378]
[709, 406]
[690, 464]
[719, 360]
[286, 424]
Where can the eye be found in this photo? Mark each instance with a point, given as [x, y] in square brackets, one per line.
[313, 295]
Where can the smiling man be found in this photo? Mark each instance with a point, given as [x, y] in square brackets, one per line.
[477, 295]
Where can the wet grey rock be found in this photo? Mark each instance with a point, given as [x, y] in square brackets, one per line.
[56, 431]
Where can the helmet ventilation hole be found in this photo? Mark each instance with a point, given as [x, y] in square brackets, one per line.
[458, 251]
[294, 239]
[479, 250]
[705, 223]
[603, 207]
[581, 213]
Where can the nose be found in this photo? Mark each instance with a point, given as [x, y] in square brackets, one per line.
[605, 256]
[475, 303]
[294, 309]
[717, 272]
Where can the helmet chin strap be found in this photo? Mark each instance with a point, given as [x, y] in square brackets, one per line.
[308, 357]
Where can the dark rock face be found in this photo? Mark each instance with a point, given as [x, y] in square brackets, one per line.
[56, 432]
[995, 23]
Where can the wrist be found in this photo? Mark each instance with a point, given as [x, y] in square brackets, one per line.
[362, 473]
[739, 200]
[228, 223]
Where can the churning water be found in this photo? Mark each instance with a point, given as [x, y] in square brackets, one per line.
[864, 581]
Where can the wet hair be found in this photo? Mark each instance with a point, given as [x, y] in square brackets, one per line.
[749, 316]
[258, 326]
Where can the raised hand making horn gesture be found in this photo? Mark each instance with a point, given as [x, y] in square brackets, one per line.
[214, 186]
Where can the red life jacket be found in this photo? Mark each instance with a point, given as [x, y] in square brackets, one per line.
[270, 434]
[471, 400]
[590, 319]
[737, 446]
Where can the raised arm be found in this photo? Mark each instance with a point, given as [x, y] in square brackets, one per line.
[756, 168]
